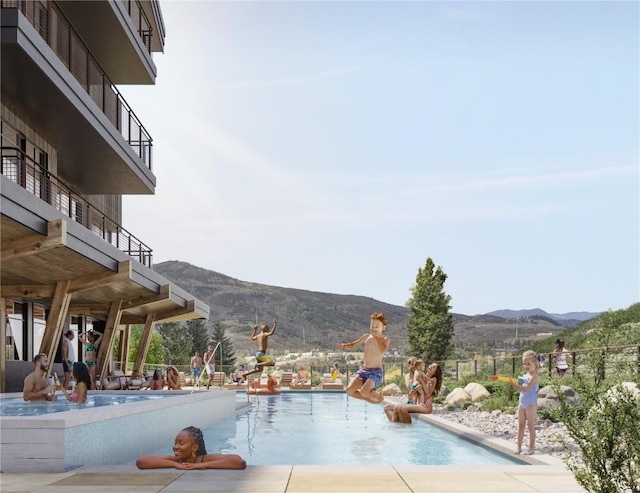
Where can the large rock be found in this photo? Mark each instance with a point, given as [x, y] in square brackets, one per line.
[548, 399]
[614, 393]
[456, 397]
[477, 391]
[391, 389]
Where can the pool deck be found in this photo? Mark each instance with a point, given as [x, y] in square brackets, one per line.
[542, 474]
[301, 479]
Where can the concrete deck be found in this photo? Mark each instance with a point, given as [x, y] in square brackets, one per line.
[301, 479]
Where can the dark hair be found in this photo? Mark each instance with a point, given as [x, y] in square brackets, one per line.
[436, 390]
[68, 332]
[155, 374]
[38, 357]
[196, 434]
[81, 373]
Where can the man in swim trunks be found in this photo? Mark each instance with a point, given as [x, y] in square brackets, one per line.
[364, 384]
[196, 366]
[261, 353]
[209, 365]
[68, 357]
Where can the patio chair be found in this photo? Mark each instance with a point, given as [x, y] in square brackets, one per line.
[218, 379]
[286, 378]
[116, 380]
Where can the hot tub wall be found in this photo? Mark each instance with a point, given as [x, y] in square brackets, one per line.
[106, 435]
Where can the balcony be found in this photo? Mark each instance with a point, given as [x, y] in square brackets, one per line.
[51, 80]
[24, 171]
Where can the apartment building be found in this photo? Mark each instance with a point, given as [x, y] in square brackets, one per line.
[71, 147]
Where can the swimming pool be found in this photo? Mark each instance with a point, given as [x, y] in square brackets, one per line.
[315, 428]
[16, 406]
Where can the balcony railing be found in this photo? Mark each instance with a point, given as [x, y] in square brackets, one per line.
[24, 171]
[55, 29]
[141, 22]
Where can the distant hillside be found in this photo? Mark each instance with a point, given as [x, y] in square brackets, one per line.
[307, 320]
[310, 320]
[567, 319]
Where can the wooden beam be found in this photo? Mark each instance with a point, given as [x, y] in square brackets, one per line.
[96, 280]
[28, 291]
[35, 243]
[165, 294]
[176, 313]
[55, 321]
[143, 348]
[89, 310]
[106, 346]
[123, 347]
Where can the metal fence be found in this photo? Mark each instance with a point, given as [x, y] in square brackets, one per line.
[51, 24]
[24, 171]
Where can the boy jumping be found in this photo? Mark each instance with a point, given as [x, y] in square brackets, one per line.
[364, 384]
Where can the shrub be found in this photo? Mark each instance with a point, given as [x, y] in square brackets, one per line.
[605, 427]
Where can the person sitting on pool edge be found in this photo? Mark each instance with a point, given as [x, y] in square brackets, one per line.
[189, 452]
[401, 413]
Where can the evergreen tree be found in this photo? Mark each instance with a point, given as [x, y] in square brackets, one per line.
[197, 329]
[155, 354]
[176, 341]
[430, 324]
[218, 334]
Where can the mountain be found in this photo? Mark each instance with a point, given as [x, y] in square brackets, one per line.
[310, 320]
[307, 320]
[567, 319]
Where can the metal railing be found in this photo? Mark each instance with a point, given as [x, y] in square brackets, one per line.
[24, 171]
[49, 21]
[140, 21]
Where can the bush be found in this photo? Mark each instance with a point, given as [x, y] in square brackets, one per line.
[605, 427]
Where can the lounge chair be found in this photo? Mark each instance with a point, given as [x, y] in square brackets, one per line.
[218, 379]
[300, 382]
[328, 384]
[184, 379]
[141, 382]
[286, 378]
[116, 380]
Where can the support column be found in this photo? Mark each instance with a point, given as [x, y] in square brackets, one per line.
[108, 339]
[145, 341]
[123, 347]
[55, 321]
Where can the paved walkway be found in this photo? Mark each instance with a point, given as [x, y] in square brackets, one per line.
[301, 479]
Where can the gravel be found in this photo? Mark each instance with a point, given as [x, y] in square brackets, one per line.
[549, 435]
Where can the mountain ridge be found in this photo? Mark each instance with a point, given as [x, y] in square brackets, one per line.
[317, 320]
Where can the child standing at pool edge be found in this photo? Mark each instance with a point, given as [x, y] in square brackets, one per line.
[363, 386]
[528, 407]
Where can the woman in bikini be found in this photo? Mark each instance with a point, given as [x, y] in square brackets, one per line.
[402, 413]
[189, 452]
[91, 342]
[83, 382]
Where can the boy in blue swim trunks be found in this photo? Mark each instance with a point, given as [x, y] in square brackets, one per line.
[364, 384]
[261, 353]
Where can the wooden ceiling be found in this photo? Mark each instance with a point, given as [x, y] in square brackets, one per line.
[32, 264]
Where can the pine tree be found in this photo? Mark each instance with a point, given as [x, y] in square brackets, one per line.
[176, 341]
[197, 329]
[218, 334]
[430, 324]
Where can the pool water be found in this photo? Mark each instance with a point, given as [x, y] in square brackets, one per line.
[330, 428]
[16, 406]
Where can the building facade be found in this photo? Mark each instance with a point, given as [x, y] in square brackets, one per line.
[71, 147]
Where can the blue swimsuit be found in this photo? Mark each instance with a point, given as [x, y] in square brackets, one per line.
[530, 397]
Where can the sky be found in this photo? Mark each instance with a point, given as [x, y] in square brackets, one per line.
[335, 146]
